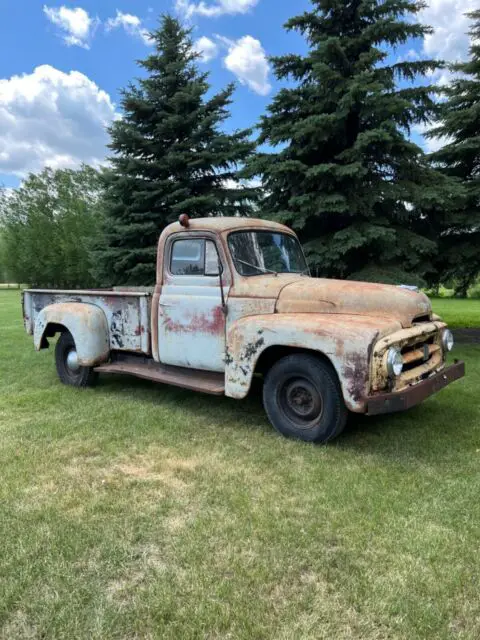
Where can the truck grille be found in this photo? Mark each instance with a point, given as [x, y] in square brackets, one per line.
[422, 355]
[419, 361]
[419, 353]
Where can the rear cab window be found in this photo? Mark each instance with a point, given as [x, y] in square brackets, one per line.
[194, 257]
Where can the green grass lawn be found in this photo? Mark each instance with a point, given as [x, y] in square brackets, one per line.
[138, 511]
[458, 312]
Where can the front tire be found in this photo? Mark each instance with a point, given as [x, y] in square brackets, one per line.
[303, 399]
[69, 370]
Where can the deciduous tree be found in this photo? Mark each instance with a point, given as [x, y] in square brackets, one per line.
[48, 226]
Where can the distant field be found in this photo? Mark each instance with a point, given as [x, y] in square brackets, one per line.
[140, 511]
[458, 313]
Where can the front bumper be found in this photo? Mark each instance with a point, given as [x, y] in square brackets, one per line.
[411, 396]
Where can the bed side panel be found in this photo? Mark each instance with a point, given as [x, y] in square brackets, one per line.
[127, 314]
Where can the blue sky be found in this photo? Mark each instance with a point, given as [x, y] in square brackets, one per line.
[62, 65]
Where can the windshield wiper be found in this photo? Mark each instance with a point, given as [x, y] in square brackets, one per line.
[254, 266]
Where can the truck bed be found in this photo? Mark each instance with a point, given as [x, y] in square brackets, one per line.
[127, 313]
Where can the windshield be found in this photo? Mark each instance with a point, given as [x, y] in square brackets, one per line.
[257, 252]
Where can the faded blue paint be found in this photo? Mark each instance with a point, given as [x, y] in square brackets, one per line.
[191, 323]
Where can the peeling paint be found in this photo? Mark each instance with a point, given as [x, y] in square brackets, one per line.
[194, 322]
[124, 312]
[355, 372]
[253, 348]
[345, 340]
[414, 338]
[185, 324]
[87, 325]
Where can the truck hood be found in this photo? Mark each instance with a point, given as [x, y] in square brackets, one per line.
[319, 295]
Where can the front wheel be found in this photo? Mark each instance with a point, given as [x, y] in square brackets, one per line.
[303, 399]
[68, 368]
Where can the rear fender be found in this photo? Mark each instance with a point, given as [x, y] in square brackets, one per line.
[87, 324]
[345, 340]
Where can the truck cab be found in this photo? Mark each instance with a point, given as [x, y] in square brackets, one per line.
[234, 299]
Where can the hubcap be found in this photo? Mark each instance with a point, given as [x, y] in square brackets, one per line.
[302, 402]
[72, 361]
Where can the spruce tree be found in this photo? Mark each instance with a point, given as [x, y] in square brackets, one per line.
[171, 156]
[345, 173]
[459, 124]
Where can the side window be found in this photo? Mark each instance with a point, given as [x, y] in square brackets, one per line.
[195, 257]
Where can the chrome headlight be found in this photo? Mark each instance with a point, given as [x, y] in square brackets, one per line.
[447, 340]
[394, 362]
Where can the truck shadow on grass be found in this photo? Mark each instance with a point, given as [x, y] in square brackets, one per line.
[203, 407]
[431, 433]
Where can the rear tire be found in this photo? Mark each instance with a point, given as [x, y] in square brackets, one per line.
[303, 399]
[68, 369]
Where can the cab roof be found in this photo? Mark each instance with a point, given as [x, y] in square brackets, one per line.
[222, 224]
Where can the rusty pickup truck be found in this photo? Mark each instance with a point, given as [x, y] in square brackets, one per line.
[234, 299]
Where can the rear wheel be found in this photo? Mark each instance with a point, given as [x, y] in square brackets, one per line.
[68, 368]
[303, 399]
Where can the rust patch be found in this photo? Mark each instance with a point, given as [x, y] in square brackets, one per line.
[356, 375]
[199, 323]
[414, 340]
[320, 295]
[139, 330]
[205, 381]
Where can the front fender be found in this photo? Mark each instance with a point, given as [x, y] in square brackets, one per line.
[346, 340]
[87, 324]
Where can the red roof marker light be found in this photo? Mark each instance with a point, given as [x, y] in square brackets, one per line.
[184, 220]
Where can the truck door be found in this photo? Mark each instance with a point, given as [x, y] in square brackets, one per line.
[191, 329]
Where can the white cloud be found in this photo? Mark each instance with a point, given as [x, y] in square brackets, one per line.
[450, 40]
[206, 48]
[247, 59]
[53, 118]
[215, 8]
[132, 25]
[430, 145]
[434, 144]
[411, 54]
[76, 25]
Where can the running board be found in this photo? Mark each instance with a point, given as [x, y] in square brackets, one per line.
[193, 379]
